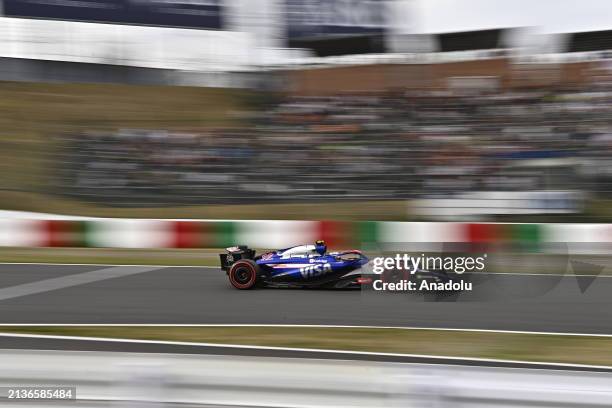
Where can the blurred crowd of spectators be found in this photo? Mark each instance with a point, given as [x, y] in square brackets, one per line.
[358, 147]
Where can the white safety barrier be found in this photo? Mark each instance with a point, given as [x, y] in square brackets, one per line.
[131, 379]
[23, 229]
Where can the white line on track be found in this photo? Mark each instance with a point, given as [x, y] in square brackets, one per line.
[98, 264]
[316, 326]
[571, 275]
[315, 350]
[218, 268]
[67, 281]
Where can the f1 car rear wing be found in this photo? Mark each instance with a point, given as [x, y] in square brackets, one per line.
[234, 254]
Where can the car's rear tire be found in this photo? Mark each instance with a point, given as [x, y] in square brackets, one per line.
[244, 274]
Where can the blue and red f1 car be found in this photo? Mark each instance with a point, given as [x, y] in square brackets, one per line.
[298, 266]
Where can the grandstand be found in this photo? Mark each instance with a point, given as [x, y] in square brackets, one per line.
[347, 116]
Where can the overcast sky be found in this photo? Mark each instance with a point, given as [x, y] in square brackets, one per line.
[548, 16]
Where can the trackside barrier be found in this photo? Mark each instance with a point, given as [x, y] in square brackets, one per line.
[113, 379]
[145, 233]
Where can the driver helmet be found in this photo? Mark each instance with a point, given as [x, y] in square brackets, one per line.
[320, 247]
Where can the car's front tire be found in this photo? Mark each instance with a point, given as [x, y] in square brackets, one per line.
[244, 274]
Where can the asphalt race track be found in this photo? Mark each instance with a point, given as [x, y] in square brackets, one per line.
[75, 294]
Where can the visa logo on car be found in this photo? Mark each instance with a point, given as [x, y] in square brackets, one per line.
[314, 271]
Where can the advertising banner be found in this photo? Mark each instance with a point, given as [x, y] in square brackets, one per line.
[334, 18]
[205, 14]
